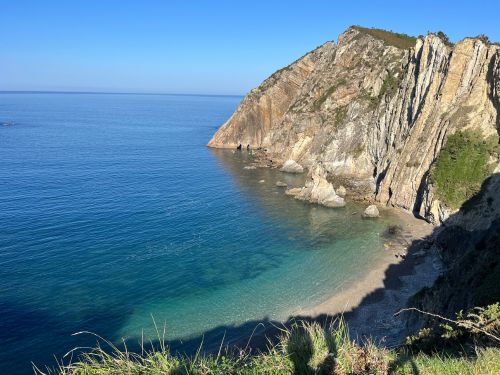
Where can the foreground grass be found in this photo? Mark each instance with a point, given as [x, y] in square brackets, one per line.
[486, 361]
[305, 348]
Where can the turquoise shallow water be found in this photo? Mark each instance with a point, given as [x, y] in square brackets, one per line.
[112, 210]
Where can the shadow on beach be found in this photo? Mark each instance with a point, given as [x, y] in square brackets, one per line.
[466, 252]
[373, 317]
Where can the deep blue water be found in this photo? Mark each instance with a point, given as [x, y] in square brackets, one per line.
[113, 211]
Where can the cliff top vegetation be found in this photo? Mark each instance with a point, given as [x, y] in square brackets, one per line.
[398, 40]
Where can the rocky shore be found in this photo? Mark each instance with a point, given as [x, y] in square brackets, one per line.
[369, 304]
[374, 110]
[318, 190]
[394, 121]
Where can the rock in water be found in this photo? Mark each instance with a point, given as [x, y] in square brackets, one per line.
[291, 166]
[341, 191]
[281, 184]
[293, 191]
[319, 190]
[371, 211]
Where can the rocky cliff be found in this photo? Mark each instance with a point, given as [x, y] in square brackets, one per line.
[469, 245]
[374, 110]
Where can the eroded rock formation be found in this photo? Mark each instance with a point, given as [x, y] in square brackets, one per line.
[319, 190]
[374, 113]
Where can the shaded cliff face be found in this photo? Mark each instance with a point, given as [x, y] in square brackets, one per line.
[469, 245]
[374, 115]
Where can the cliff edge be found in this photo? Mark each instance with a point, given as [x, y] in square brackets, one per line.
[376, 111]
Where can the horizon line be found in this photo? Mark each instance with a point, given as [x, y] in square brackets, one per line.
[112, 93]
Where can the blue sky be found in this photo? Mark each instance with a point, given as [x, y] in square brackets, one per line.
[213, 47]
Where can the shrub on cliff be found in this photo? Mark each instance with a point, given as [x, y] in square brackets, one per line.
[444, 38]
[480, 326]
[462, 166]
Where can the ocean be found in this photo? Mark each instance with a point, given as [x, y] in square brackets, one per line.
[115, 217]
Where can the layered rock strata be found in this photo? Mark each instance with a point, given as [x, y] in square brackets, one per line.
[372, 114]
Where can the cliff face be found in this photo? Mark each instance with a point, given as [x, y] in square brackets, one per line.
[469, 245]
[265, 106]
[374, 111]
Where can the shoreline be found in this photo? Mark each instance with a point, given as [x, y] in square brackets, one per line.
[369, 304]
[408, 264]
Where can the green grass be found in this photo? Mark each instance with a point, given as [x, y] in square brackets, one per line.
[462, 166]
[303, 348]
[485, 362]
[398, 40]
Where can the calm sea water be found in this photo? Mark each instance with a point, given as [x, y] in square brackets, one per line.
[113, 211]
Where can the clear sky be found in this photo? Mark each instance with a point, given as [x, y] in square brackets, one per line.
[213, 47]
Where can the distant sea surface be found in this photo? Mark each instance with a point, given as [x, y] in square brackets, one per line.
[114, 213]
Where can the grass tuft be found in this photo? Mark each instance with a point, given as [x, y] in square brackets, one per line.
[304, 348]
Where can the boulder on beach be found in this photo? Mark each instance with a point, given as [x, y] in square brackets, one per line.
[319, 190]
[334, 201]
[371, 211]
[341, 191]
[291, 166]
[281, 184]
